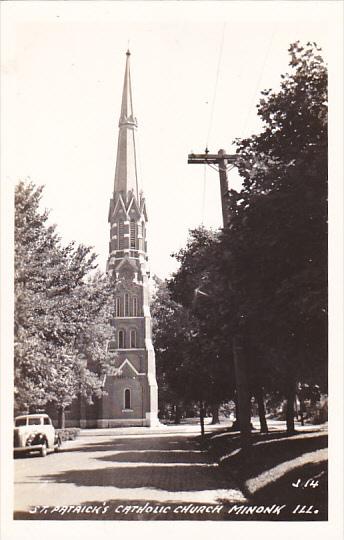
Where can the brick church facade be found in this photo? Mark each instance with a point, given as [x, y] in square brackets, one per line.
[131, 397]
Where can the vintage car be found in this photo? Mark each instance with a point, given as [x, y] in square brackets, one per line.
[35, 433]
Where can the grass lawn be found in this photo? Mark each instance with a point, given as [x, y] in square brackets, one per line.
[278, 469]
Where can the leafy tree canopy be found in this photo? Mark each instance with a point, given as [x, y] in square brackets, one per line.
[61, 311]
[274, 252]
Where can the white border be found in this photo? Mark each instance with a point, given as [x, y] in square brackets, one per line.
[198, 11]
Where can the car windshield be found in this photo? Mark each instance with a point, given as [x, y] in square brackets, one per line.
[34, 421]
[20, 422]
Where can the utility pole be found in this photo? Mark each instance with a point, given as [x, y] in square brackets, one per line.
[221, 159]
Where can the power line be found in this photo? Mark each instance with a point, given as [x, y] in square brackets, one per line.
[211, 118]
[262, 69]
[216, 84]
[204, 191]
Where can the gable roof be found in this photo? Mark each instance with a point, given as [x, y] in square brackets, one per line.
[127, 363]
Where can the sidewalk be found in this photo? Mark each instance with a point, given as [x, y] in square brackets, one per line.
[163, 429]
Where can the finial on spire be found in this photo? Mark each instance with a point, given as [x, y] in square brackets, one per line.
[126, 173]
[127, 114]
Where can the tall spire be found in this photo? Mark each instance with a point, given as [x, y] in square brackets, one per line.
[126, 171]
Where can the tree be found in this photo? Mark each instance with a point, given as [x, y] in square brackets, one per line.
[274, 252]
[202, 286]
[187, 364]
[195, 287]
[60, 312]
[174, 335]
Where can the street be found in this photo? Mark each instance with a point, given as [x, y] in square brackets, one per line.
[123, 465]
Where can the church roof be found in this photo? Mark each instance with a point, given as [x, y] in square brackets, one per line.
[126, 170]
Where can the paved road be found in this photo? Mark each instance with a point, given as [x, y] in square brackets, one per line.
[123, 466]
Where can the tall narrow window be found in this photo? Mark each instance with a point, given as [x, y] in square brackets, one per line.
[120, 234]
[133, 339]
[133, 234]
[126, 305]
[134, 306]
[127, 399]
[117, 306]
[121, 339]
[112, 346]
[143, 236]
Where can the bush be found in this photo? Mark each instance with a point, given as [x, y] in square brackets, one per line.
[320, 415]
[68, 434]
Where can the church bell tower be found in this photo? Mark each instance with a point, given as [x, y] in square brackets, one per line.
[132, 394]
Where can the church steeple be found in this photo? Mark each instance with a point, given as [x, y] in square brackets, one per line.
[126, 170]
[132, 398]
[127, 212]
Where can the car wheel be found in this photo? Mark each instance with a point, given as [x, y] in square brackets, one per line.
[43, 451]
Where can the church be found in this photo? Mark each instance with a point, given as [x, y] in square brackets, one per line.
[131, 395]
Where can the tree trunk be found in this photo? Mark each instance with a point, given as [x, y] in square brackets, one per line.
[302, 409]
[177, 415]
[290, 413]
[201, 417]
[215, 413]
[261, 410]
[240, 368]
[61, 418]
[236, 423]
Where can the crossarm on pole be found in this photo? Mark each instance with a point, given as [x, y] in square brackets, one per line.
[211, 158]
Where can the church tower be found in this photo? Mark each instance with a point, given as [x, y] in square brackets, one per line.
[132, 395]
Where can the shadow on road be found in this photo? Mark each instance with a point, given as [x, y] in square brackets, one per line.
[159, 476]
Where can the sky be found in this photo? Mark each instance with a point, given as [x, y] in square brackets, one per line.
[197, 71]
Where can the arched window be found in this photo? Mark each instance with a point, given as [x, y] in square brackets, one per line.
[133, 339]
[117, 306]
[120, 234]
[111, 346]
[133, 234]
[134, 306]
[121, 339]
[126, 305]
[127, 399]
